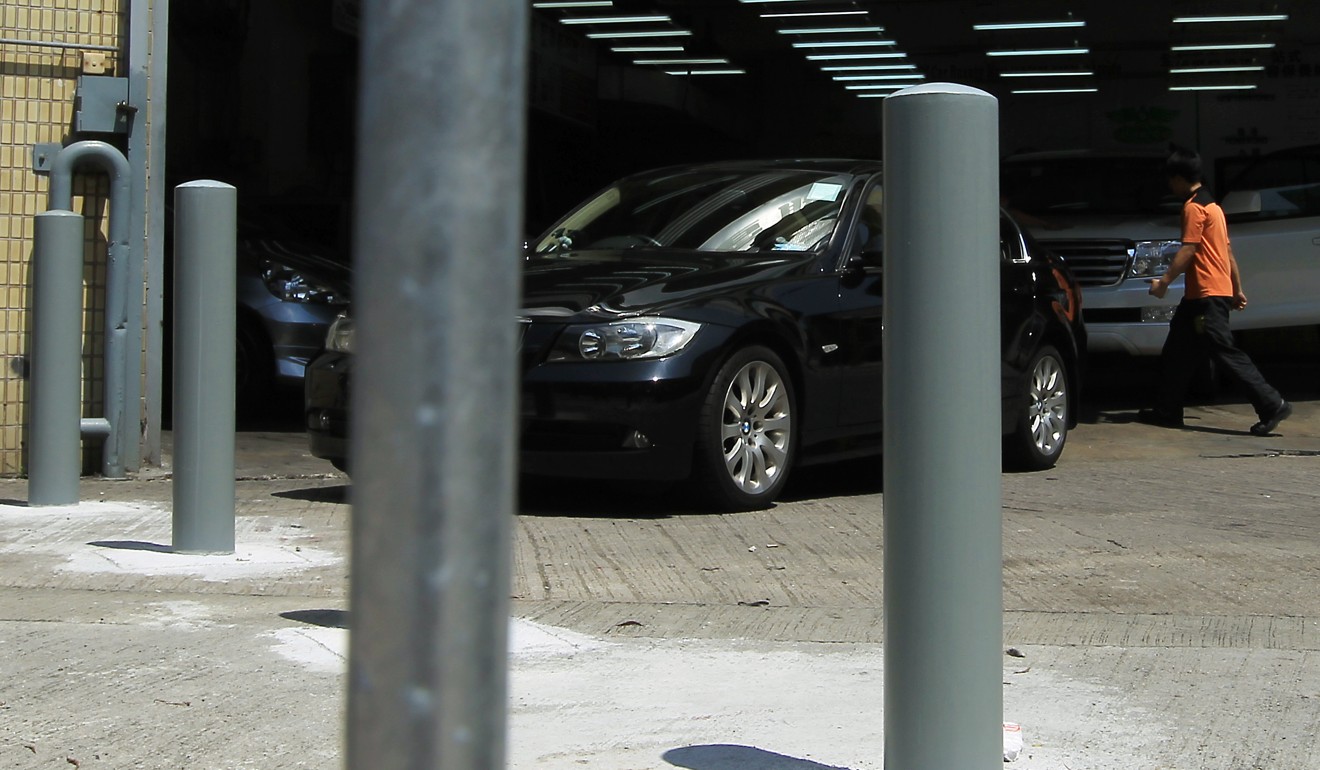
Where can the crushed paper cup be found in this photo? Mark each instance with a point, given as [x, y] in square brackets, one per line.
[1012, 741]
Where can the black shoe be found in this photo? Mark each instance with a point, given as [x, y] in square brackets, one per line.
[1267, 424]
[1158, 418]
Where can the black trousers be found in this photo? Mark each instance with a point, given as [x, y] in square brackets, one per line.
[1200, 328]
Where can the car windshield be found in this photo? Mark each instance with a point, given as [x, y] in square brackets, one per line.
[718, 210]
[1091, 185]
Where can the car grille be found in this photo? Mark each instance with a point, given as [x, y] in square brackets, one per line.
[1094, 262]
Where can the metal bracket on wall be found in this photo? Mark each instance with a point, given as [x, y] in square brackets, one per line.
[43, 156]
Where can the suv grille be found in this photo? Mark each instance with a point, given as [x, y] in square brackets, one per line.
[1094, 262]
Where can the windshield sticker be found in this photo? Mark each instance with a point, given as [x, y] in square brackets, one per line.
[824, 191]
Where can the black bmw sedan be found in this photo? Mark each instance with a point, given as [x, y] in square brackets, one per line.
[723, 323]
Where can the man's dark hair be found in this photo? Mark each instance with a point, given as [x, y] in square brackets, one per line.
[1184, 163]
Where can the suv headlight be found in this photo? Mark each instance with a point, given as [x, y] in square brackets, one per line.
[340, 336]
[1152, 258]
[624, 340]
[292, 285]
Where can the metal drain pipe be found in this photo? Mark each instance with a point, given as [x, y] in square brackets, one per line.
[121, 436]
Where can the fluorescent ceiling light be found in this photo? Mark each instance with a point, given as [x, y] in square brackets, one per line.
[843, 43]
[639, 33]
[874, 78]
[1029, 25]
[1056, 91]
[1068, 74]
[1040, 52]
[1193, 70]
[1213, 88]
[852, 56]
[666, 62]
[650, 19]
[867, 67]
[1230, 19]
[707, 72]
[574, 4]
[876, 87]
[828, 30]
[648, 49]
[1223, 47]
[812, 14]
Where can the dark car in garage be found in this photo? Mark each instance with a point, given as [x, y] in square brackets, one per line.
[288, 290]
[722, 323]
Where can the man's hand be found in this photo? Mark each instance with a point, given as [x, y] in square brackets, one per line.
[1239, 300]
[1159, 288]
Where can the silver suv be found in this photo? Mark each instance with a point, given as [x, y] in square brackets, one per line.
[1114, 221]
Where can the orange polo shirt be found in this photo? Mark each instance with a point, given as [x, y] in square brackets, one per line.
[1203, 223]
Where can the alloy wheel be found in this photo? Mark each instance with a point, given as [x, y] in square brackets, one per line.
[1048, 411]
[756, 427]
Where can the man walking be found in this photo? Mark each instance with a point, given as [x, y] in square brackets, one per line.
[1200, 324]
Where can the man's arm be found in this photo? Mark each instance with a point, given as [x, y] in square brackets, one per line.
[1181, 261]
[1239, 296]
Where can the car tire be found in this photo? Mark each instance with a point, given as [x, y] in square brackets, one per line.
[747, 432]
[1037, 440]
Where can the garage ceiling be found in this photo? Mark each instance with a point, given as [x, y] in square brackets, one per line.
[868, 48]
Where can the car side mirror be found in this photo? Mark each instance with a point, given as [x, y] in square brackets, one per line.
[1241, 202]
[854, 272]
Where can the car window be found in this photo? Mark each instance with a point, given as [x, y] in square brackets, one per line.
[1289, 186]
[707, 210]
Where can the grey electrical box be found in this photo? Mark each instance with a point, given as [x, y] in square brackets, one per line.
[102, 105]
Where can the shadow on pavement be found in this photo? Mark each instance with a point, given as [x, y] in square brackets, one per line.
[322, 618]
[731, 757]
[337, 494]
[133, 545]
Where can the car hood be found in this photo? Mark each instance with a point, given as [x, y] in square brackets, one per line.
[304, 258]
[631, 282]
[1133, 227]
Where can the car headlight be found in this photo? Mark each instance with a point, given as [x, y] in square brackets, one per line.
[624, 340]
[1152, 258]
[340, 336]
[292, 285]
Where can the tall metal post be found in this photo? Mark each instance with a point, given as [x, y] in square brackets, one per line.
[54, 434]
[205, 247]
[942, 521]
[439, 172]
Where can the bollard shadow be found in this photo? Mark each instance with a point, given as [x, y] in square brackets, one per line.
[133, 545]
[336, 494]
[732, 757]
[322, 618]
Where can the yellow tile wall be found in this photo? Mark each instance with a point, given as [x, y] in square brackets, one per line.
[37, 87]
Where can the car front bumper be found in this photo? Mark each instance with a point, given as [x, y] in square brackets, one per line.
[1126, 318]
[326, 385]
[618, 420]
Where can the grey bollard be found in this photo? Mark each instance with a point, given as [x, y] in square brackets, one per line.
[205, 222]
[434, 401]
[54, 426]
[943, 699]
